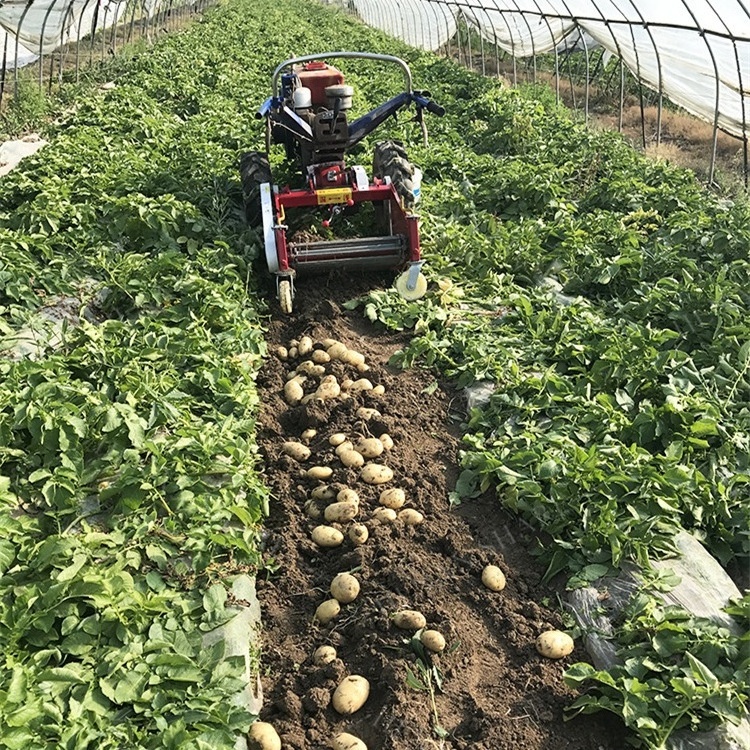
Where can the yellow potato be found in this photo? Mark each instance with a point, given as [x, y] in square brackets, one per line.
[351, 459]
[363, 368]
[554, 644]
[409, 619]
[293, 343]
[340, 512]
[378, 390]
[307, 399]
[346, 384]
[293, 392]
[354, 358]
[297, 451]
[384, 515]
[348, 496]
[493, 578]
[327, 536]
[363, 384]
[358, 533]
[328, 389]
[324, 492]
[293, 352]
[370, 447]
[351, 694]
[308, 435]
[328, 343]
[310, 368]
[411, 517]
[313, 509]
[393, 498]
[345, 588]
[262, 736]
[319, 472]
[327, 611]
[433, 641]
[365, 413]
[346, 741]
[305, 346]
[387, 441]
[376, 474]
[337, 438]
[324, 655]
[347, 445]
[336, 351]
[282, 352]
[320, 357]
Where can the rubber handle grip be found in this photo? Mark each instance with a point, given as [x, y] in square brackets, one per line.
[435, 109]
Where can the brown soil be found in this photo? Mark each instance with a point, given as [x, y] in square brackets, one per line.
[498, 693]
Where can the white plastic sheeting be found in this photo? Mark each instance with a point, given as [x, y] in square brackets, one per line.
[695, 52]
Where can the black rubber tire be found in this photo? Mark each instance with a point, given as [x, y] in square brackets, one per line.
[254, 171]
[390, 160]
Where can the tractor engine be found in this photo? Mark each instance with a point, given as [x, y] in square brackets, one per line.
[318, 95]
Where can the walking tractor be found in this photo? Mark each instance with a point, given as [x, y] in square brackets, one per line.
[308, 114]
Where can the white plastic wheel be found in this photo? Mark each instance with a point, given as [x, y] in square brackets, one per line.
[285, 296]
[411, 294]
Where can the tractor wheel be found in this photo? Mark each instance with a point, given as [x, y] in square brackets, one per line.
[254, 171]
[390, 160]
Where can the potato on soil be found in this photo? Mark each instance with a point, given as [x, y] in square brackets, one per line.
[345, 588]
[386, 440]
[410, 517]
[327, 536]
[554, 644]
[384, 515]
[346, 384]
[319, 472]
[335, 351]
[305, 346]
[282, 352]
[358, 534]
[352, 357]
[341, 512]
[346, 741]
[314, 509]
[320, 357]
[366, 413]
[328, 343]
[347, 445]
[351, 459]
[493, 578]
[351, 694]
[409, 619]
[348, 496]
[293, 392]
[327, 611]
[363, 384]
[337, 438]
[297, 451]
[262, 736]
[310, 368]
[378, 390]
[308, 435]
[433, 641]
[324, 655]
[376, 474]
[324, 492]
[393, 498]
[369, 447]
[293, 352]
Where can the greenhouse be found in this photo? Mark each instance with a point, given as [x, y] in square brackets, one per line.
[374, 375]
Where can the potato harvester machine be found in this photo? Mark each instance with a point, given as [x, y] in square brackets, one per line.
[308, 114]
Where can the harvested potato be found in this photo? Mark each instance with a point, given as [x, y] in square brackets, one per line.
[319, 472]
[308, 435]
[358, 533]
[291, 375]
[327, 536]
[345, 588]
[346, 741]
[293, 352]
[366, 413]
[328, 343]
[348, 496]
[346, 384]
[307, 399]
[347, 445]
[387, 441]
[313, 509]
[378, 390]
[351, 694]
[262, 736]
[328, 388]
[297, 451]
[363, 384]
[369, 447]
[376, 474]
[410, 517]
[324, 492]
[341, 512]
[493, 578]
[293, 392]
[409, 619]
[327, 611]
[384, 515]
[363, 368]
[351, 459]
[320, 357]
[294, 343]
[310, 368]
[305, 346]
[393, 498]
[433, 641]
[554, 644]
[337, 438]
[336, 350]
[324, 655]
[282, 352]
[352, 357]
